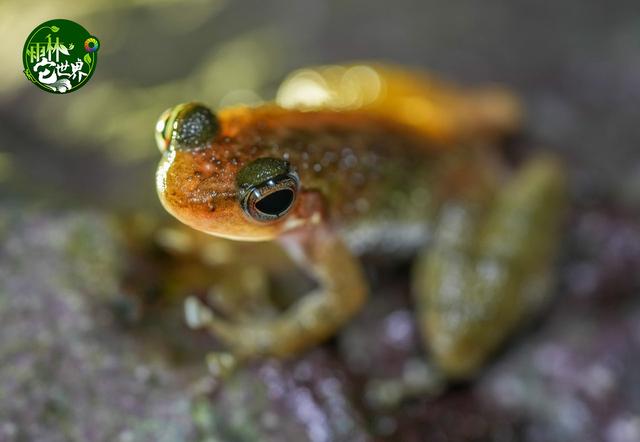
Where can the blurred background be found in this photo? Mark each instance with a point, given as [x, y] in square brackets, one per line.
[92, 344]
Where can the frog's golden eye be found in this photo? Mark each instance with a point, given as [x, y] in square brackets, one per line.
[267, 189]
[186, 126]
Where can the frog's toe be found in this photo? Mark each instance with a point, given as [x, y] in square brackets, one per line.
[196, 313]
[418, 379]
[221, 364]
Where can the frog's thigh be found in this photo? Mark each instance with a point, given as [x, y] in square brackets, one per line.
[487, 267]
[316, 316]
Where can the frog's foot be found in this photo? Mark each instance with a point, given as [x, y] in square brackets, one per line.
[244, 338]
[309, 321]
[418, 379]
[487, 267]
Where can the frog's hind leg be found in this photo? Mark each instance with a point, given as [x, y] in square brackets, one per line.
[488, 267]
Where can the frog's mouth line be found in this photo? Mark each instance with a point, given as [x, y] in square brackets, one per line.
[233, 225]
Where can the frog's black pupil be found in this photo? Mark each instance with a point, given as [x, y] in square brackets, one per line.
[275, 203]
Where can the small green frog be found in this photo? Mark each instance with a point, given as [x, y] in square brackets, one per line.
[361, 157]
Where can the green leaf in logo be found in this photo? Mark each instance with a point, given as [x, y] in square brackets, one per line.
[87, 58]
[55, 28]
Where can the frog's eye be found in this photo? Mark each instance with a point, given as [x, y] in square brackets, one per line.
[267, 189]
[186, 126]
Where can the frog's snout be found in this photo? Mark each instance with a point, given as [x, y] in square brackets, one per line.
[186, 126]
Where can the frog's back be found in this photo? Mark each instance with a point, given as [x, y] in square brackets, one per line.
[437, 109]
[387, 143]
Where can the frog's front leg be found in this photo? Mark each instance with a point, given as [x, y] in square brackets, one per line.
[488, 267]
[312, 319]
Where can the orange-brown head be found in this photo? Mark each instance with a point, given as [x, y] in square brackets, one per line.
[217, 176]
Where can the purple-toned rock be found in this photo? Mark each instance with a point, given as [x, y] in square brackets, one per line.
[603, 257]
[74, 367]
[578, 380]
[67, 370]
[306, 400]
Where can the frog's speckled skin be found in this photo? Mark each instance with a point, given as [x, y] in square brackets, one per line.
[402, 157]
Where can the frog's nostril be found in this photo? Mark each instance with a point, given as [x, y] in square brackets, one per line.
[195, 126]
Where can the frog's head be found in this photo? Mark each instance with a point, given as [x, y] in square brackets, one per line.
[213, 178]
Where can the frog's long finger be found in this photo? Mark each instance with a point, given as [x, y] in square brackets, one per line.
[480, 278]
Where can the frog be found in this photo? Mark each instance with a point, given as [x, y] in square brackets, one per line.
[368, 156]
